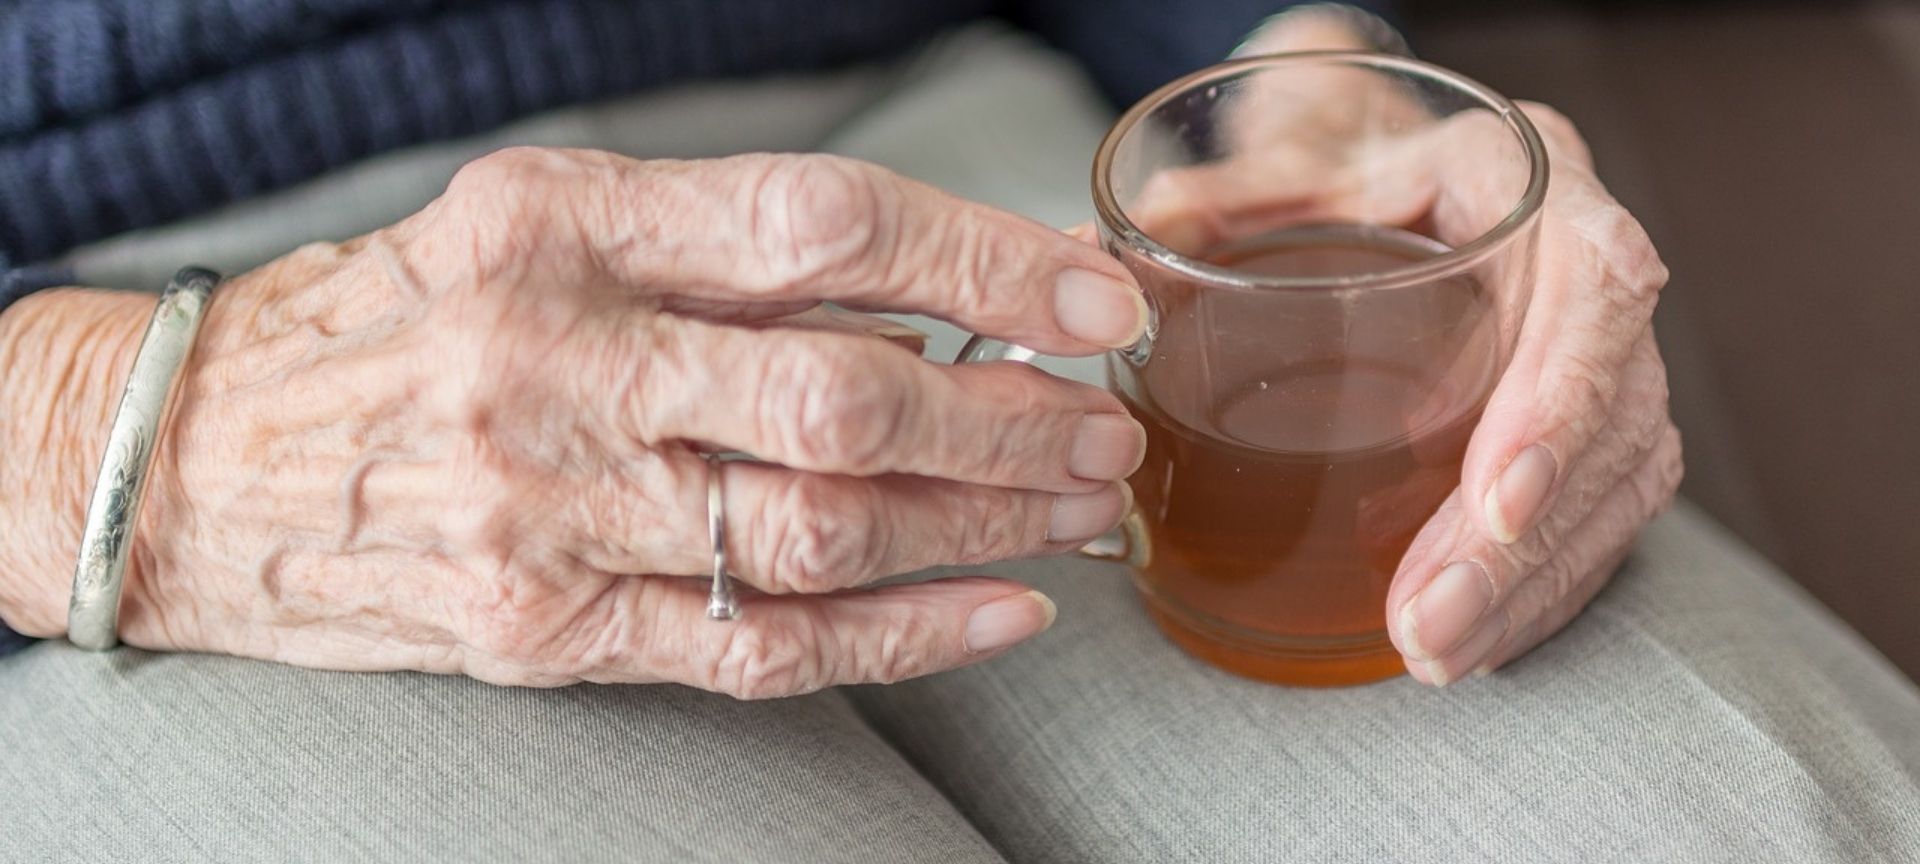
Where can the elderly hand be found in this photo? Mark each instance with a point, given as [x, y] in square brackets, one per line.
[471, 442]
[1575, 452]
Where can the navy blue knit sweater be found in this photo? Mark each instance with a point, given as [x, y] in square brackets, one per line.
[120, 114]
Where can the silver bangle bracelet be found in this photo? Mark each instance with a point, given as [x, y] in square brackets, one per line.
[93, 615]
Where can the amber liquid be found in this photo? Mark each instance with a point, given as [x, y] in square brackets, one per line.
[1294, 448]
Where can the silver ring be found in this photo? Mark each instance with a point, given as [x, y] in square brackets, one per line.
[721, 604]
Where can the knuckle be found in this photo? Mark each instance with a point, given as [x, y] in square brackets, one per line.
[622, 364]
[1632, 269]
[517, 206]
[663, 374]
[996, 524]
[833, 411]
[1644, 431]
[818, 536]
[897, 654]
[606, 514]
[505, 206]
[510, 178]
[1033, 417]
[1583, 391]
[765, 662]
[815, 216]
[623, 370]
[976, 262]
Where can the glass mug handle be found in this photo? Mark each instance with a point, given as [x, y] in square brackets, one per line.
[1127, 542]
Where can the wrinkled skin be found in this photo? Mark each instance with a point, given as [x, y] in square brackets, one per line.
[1576, 451]
[1586, 384]
[469, 443]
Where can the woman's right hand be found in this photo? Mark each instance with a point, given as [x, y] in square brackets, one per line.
[471, 442]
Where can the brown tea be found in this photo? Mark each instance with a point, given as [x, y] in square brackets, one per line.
[1295, 445]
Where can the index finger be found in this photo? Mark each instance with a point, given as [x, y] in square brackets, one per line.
[768, 227]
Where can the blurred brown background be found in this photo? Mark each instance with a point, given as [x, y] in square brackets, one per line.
[1773, 151]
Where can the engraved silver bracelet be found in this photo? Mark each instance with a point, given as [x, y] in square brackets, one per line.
[93, 615]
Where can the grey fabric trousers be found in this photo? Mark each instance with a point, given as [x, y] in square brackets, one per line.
[1703, 709]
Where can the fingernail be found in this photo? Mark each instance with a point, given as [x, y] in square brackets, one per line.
[1438, 617]
[1097, 308]
[1515, 498]
[1471, 654]
[1009, 621]
[1078, 518]
[1106, 447]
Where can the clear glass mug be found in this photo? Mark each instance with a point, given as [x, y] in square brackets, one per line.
[1337, 251]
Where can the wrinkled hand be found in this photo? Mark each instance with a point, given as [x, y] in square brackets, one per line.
[1573, 456]
[1575, 452]
[470, 443]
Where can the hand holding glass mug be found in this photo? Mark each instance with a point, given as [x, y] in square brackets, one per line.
[1575, 451]
[1403, 401]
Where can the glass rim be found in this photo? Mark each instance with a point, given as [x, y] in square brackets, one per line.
[1114, 218]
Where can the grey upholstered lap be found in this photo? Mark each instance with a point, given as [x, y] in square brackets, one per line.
[140, 757]
[1702, 709]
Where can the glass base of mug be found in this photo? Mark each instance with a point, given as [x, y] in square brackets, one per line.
[1275, 660]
